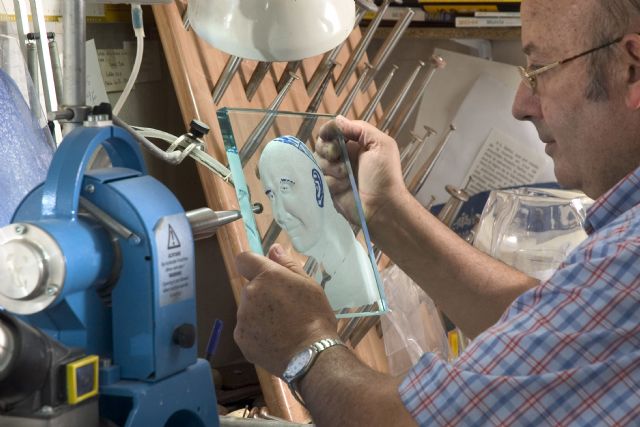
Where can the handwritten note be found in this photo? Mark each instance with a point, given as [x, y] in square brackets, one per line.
[116, 65]
[96, 92]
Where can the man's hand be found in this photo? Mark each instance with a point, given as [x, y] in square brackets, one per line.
[375, 160]
[281, 310]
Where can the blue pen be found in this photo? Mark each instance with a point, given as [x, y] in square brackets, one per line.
[214, 339]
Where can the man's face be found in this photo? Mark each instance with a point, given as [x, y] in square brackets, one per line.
[292, 187]
[577, 132]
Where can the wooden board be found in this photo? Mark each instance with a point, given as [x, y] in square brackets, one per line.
[195, 67]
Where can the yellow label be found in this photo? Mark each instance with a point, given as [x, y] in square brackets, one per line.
[454, 343]
[82, 379]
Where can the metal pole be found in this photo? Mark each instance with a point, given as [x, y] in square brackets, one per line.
[51, 101]
[397, 103]
[292, 67]
[371, 107]
[361, 49]
[330, 58]
[348, 101]
[22, 22]
[432, 160]
[437, 62]
[256, 78]
[225, 78]
[389, 44]
[55, 64]
[74, 77]
[253, 141]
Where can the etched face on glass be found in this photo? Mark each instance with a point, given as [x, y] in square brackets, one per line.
[294, 184]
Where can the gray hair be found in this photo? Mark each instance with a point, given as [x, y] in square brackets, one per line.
[609, 19]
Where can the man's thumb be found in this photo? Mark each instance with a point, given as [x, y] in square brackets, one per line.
[250, 264]
[279, 255]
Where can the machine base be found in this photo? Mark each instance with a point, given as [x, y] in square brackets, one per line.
[186, 399]
[82, 415]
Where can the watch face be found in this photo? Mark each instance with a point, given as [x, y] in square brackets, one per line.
[297, 364]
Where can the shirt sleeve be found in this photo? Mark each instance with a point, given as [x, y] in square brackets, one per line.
[437, 393]
[565, 353]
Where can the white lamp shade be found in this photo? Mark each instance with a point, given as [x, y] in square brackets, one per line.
[272, 30]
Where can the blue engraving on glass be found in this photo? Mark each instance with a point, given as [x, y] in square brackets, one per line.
[295, 142]
[317, 180]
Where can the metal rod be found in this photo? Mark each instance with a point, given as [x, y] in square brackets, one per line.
[348, 101]
[431, 161]
[363, 328]
[22, 23]
[292, 67]
[55, 64]
[389, 44]
[32, 67]
[397, 103]
[270, 236]
[256, 78]
[205, 222]
[74, 75]
[436, 63]
[411, 160]
[360, 49]
[450, 209]
[233, 63]
[323, 68]
[371, 107]
[309, 122]
[108, 221]
[258, 134]
[50, 99]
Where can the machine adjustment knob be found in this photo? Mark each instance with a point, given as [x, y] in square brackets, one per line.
[198, 129]
[184, 335]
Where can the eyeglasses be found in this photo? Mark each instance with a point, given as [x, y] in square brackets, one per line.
[530, 76]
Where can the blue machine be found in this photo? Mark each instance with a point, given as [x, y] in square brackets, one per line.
[103, 260]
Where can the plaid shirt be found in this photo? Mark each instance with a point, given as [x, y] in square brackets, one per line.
[564, 353]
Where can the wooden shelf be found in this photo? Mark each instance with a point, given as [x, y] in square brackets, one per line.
[434, 33]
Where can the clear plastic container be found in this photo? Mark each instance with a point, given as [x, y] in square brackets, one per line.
[532, 229]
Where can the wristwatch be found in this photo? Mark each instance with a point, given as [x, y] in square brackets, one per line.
[301, 362]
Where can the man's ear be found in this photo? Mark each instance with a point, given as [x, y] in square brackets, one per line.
[631, 45]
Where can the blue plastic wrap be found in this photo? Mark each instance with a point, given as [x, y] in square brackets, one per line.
[26, 148]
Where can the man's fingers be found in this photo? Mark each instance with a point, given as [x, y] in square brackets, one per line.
[327, 149]
[337, 186]
[279, 255]
[352, 130]
[250, 264]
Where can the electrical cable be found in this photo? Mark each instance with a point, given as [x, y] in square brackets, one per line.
[138, 28]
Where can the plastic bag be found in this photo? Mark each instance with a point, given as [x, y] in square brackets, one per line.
[412, 326]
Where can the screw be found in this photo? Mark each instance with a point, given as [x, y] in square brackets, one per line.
[89, 188]
[52, 290]
[47, 410]
[20, 229]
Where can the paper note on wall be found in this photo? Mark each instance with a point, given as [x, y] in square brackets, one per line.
[485, 110]
[96, 92]
[502, 163]
[116, 65]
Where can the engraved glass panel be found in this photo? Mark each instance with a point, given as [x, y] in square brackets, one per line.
[272, 161]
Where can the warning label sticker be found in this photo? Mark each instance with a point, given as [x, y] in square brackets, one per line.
[175, 259]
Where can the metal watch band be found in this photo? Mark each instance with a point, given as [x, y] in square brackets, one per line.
[318, 347]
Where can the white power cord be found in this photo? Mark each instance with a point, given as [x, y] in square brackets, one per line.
[138, 28]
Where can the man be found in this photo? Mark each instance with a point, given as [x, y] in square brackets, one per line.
[562, 352]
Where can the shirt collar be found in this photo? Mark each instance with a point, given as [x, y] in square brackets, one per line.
[619, 199]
